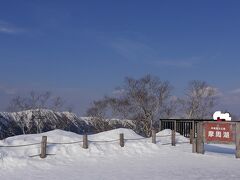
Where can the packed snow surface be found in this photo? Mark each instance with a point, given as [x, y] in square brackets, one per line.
[106, 160]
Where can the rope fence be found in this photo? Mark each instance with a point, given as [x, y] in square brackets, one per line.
[110, 141]
[23, 145]
[75, 142]
[137, 139]
[85, 142]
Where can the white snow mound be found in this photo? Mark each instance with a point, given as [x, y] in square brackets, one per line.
[101, 144]
[105, 159]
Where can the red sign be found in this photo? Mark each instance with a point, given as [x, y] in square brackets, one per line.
[219, 132]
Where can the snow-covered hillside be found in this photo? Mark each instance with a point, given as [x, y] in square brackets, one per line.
[105, 159]
[38, 120]
[42, 120]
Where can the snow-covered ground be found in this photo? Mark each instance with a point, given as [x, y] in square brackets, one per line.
[139, 159]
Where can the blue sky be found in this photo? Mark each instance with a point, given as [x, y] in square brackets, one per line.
[82, 50]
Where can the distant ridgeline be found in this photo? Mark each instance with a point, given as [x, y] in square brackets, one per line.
[42, 120]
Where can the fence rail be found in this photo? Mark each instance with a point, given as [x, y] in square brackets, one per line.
[22, 145]
[182, 126]
[85, 142]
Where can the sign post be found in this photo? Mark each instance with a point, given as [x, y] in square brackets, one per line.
[237, 140]
[217, 133]
[200, 142]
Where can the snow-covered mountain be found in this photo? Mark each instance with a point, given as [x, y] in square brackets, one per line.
[42, 120]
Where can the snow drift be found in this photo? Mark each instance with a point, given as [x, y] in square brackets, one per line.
[105, 159]
[101, 143]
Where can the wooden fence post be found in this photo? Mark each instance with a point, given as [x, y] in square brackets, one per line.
[237, 140]
[122, 140]
[153, 136]
[85, 141]
[174, 133]
[160, 125]
[175, 126]
[191, 136]
[43, 153]
[173, 138]
[200, 143]
[192, 132]
[194, 145]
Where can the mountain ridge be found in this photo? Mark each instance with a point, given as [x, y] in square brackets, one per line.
[43, 120]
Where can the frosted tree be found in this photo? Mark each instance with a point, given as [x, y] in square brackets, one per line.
[142, 100]
[200, 98]
[36, 100]
[98, 114]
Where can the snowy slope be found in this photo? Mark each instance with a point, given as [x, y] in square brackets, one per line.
[32, 121]
[139, 159]
[27, 122]
[45, 114]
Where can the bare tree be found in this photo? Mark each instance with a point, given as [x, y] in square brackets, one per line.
[44, 98]
[98, 109]
[98, 115]
[171, 108]
[57, 103]
[18, 103]
[36, 100]
[38, 120]
[21, 122]
[147, 98]
[200, 99]
[142, 100]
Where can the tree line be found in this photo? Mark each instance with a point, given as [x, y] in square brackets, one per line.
[142, 100]
[147, 99]
[38, 100]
